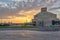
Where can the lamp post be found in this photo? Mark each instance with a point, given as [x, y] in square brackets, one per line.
[1, 19]
[25, 20]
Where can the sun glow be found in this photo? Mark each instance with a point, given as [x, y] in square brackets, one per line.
[25, 16]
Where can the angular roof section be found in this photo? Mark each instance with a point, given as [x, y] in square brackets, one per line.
[44, 12]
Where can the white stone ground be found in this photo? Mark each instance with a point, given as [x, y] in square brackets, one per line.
[28, 35]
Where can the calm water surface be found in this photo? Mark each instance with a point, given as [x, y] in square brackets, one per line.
[28, 35]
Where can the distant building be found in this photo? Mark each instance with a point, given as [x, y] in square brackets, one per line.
[44, 18]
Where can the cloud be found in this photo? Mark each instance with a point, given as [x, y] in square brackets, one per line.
[3, 4]
[15, 7]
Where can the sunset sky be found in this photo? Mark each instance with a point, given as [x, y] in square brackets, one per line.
[21, 11]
